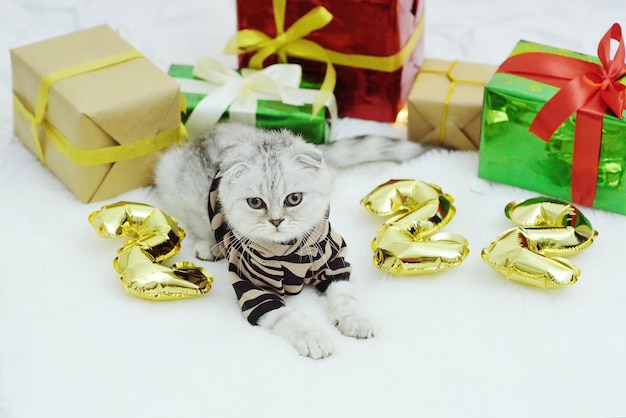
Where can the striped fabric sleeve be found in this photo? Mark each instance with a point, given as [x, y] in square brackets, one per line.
[335, 266]
[253, 300]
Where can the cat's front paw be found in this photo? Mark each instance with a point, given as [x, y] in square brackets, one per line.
[356, 326]
[313, 343]
[304, 335]
[207, 250]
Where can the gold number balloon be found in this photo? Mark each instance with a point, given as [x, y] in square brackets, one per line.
[533, 253]
[155, 238]
[408, 243]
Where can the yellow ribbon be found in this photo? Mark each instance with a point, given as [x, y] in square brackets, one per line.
[446, 103]
[82, 156]
[291, 43]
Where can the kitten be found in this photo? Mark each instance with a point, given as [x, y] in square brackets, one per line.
[261, 199]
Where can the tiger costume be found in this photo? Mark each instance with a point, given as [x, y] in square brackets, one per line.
[263, 273]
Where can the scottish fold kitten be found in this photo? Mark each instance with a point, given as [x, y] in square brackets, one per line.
[261, 199]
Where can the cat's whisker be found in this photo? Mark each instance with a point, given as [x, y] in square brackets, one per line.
[321, 251]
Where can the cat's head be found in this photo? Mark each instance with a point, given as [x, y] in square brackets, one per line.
[276, 188]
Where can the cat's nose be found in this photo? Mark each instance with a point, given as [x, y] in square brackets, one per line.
[276, 222]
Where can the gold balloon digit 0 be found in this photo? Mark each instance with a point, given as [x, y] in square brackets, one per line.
[409, 242]
[155, 238]
[533, 253]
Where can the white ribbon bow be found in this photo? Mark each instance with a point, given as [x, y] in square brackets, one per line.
[225, 87]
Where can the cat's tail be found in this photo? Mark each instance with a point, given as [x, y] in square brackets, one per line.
[362, 149]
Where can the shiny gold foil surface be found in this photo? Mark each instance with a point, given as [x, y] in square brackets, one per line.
[409, 242]
[396, 196]
[533, 252]
[155, 237]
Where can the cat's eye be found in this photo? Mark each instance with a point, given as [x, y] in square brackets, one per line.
[255, 202]
[293, 199]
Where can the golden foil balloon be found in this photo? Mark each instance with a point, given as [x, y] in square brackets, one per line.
[409, 243]
[155, 238]
[532, 253]
[397, 196]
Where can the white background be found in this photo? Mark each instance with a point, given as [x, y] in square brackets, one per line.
[466, 342]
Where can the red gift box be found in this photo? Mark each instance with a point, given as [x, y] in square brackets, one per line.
[375, 46]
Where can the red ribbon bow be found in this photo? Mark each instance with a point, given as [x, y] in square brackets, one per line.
[588, 89]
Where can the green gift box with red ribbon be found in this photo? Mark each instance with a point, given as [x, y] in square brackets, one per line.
[554, 121]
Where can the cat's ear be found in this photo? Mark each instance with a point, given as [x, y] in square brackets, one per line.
[310, 159]
[233, 168]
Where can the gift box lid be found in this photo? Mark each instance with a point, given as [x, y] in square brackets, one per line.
[530, 89]
[106, 95]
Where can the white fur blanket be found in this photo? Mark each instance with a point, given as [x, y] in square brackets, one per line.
[466, 342]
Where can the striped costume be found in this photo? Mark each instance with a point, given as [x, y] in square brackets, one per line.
[263, 273]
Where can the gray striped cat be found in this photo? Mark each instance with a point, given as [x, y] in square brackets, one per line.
[261, 199]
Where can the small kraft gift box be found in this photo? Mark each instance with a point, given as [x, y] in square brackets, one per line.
[93, 110]
[553, 122]
[276, 97]
[445, 104]
[368, 50]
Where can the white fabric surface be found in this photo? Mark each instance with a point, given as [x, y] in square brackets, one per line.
[466, 342]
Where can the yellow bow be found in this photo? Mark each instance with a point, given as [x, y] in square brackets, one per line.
[289, 42]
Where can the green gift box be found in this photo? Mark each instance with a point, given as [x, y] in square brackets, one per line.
[510, 153]
[227, 95]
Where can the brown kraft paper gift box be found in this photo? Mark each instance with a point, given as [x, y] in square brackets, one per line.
[445, 104]
[94, 110]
